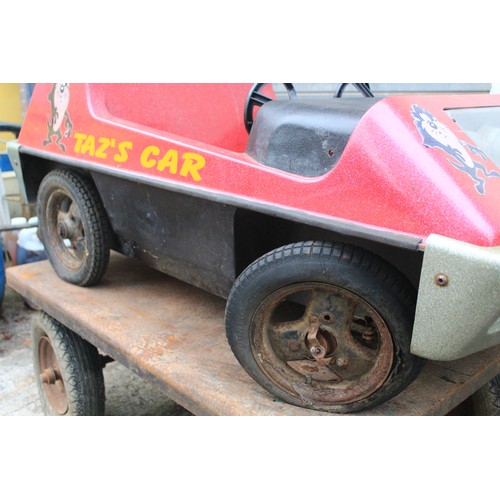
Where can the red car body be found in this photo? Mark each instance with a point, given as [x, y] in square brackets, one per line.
[410, 178]
[385, 182]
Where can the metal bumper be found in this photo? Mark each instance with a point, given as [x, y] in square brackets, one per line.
[15, 160]
[458, 305]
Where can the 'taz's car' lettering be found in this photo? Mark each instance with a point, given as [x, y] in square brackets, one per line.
[189, 163]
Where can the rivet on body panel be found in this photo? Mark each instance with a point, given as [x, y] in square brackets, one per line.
[441, 279]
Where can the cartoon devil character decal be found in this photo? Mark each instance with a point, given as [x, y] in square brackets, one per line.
[59, 118]
[437, 135]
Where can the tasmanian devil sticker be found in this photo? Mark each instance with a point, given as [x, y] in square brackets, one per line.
[437, 135]
[59, 124]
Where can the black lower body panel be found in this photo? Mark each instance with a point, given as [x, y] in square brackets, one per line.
[186, 237]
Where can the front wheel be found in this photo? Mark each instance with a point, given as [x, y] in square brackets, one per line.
[324, 326]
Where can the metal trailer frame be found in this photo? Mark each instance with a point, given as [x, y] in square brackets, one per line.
[172, 334]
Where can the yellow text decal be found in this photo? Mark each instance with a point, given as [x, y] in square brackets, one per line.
[152, 157]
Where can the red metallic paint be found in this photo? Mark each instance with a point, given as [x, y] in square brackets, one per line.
[386, 178]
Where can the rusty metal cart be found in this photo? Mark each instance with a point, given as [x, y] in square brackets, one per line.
[172, 334]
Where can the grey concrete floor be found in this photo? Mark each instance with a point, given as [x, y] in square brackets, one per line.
[126, 393]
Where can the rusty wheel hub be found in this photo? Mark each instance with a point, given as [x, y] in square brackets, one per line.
[51, 378]
[322, 343]
[65, 230]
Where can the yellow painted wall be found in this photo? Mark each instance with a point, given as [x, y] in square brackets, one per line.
[10, 108]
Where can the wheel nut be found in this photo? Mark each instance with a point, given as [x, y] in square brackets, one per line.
[62, 230]
[315, 350]
[340, 362]
[48, 376]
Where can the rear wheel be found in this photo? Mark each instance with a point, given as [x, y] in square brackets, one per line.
[74, 227]
[486, 401]
[324, 326]
[68, 370]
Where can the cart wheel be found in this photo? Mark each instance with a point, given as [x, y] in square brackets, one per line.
[324, 326]
[67, 369]
[74, 227]
[486, 401]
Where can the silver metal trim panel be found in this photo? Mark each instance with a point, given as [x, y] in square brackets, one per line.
[13, 153]
[458, 305]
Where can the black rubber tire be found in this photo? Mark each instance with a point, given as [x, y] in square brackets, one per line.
[95, 225]
[486, 401]
[351, 268]
[79, 364]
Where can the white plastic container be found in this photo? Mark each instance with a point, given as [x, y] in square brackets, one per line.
[29, 247]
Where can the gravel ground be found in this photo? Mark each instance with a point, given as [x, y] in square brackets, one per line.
[126, 393]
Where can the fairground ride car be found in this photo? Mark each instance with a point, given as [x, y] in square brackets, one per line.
[352, 237]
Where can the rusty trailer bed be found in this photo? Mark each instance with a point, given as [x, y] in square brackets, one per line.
[172, 334]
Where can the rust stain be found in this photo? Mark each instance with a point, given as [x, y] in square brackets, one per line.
[174, 337]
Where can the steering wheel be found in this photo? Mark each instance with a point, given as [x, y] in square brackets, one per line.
[255, 98]
[364, 88]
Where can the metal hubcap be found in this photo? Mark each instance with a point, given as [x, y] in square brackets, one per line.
[51, 378]
[321, 343]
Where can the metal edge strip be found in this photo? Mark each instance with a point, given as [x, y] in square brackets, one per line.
[353, 229]
[13, 148]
